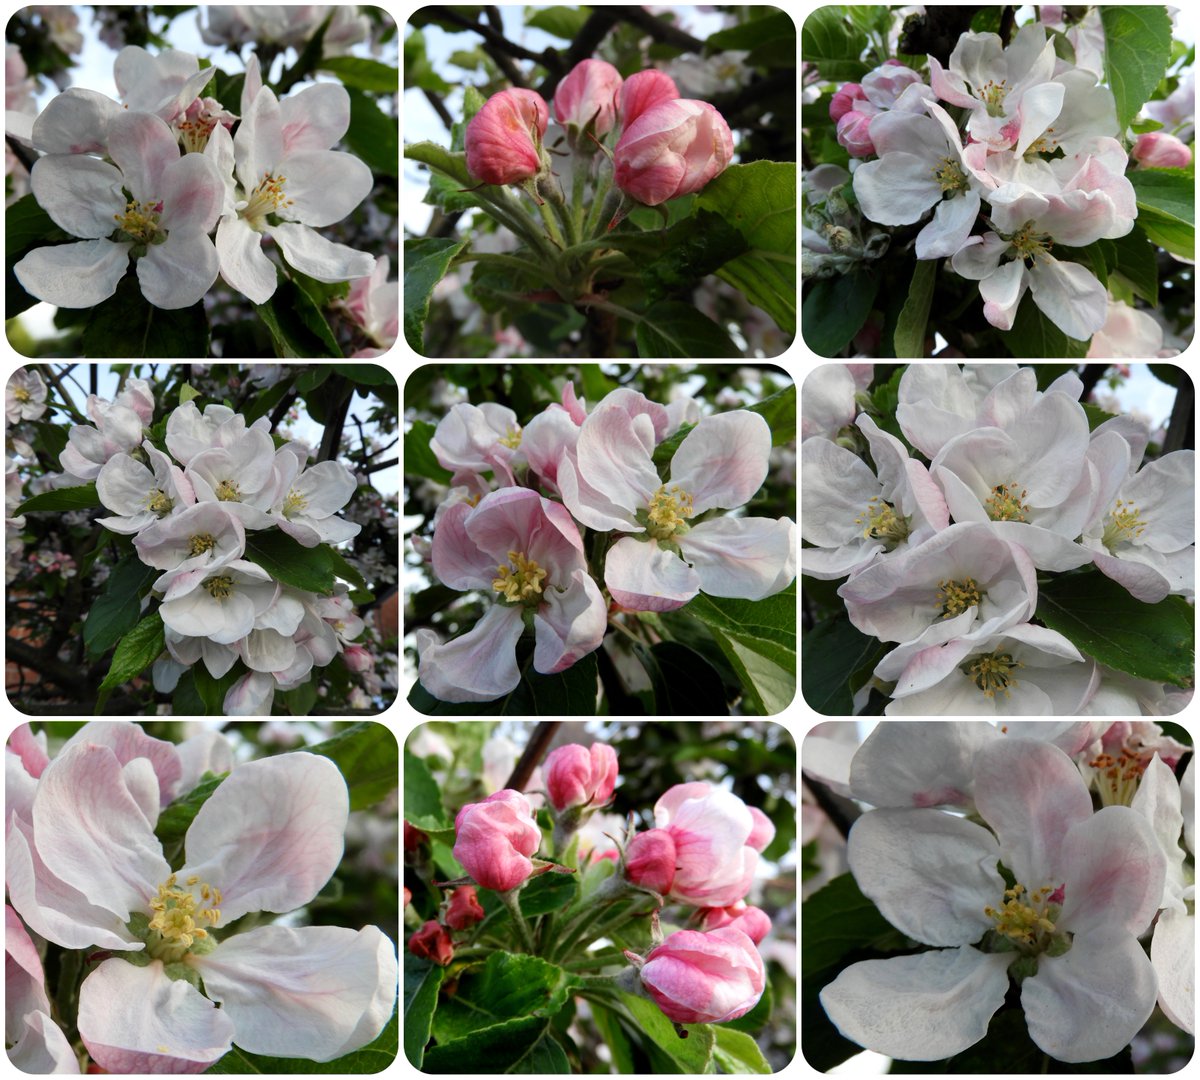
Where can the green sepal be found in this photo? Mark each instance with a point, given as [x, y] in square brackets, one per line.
[137, 959]
[1059, 944]
[1022, 969]
[180, 971]
[202, 946]
[139, 925]
[994, 942]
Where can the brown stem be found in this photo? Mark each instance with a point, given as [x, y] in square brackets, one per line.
[535, 749]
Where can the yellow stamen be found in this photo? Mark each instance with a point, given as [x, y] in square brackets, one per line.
[522, 581]
[1005, 503]
[954, 597]
[667, 511]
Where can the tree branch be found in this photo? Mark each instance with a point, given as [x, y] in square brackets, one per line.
[534, 751]
[659, 29]
[333, 425]
[66, 398]
[381, 465]
[64, 675]
[549, 57]
[439, 107]
[511, 72]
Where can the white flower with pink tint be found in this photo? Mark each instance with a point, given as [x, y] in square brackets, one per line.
[118, 429]
[374, 304]
[1128, 333]
[527, 551]
[24, 396]
[142, 496]
[36, 1044]
[267, 840]
[829, 398]
[307, 499]
[473, 439]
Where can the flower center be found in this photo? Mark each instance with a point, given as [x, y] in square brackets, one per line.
[140, 220]
[21, 395]
[160, 503]
[1004, 503]
[1045, 143]
[219, 587]
[954, 597]
[667, 511]
[992, 94]
[1124, 525]
[1030, 243]
[265, 199]
[295, 503]
[881, 522]
[176, 925]
[522, 581]
[992, 672]
[1117, 777]
[950, 176]
[512, 439]
[200, 543]
[1027, 919]
[194, 134]
[228, 491]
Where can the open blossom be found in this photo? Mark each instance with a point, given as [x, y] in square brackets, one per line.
[673, 148]
[504, 139]
[142, 496]
[24, 396]
[1086, 885]
[495, 839]
[118, 429]
[704, 978]
[267, 839]
[472, 439]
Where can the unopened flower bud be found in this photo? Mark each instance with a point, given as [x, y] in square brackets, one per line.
[698, 978]
[751, 921]
[843, 101]
[590, 92]
[357, 658]
[854, 133]
[764, 829]
[503, 140]
[432, 942]
[674, 148]
[644, 90]
[465, 910]
[650, 860]
[1159, 150]
[495, 839]
[580, 775]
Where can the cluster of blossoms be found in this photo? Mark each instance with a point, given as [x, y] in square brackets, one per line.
[702, 853]
[24, 400]
[516, 535]
[189, 511]
[151, 177]
[1038, 142]
[170, 991]
[1033, 853]
[942, 553]
[664, 145]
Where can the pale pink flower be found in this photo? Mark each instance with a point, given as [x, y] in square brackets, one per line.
[142, 496]
[673, 148]
[472, 439]
[698, 978]
[504, 139]
[1161, 150]
[495, 838]
[578, 775]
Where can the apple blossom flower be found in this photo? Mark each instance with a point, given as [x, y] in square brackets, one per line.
[828, 397]
[1087, 885]
[284, 166]
[166, 84]
[241, 476]
[164, 227]
[190, 433]
[477, 438]
[673, 148]
[495, 838]
[1161, 150]
[464, 910]
[268, 838]
[141, 496]
[373, 303]
[307, 500]
[504, 139]
[528, 551]
[852, 518]
[612, 484]
[432, 942]
[704, 978]
[219, 602]
[24, 396]
[586, 99]
[643, 90]
[36, 1044]
[751, 921]
[200, 537]
[1128, 333]
[118, 429]
[580, 775]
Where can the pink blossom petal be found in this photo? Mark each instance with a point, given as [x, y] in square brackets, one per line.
[750, 558]
[323, 186]
[142, 146]
[723, 460]
[643, 576]
[271, 835]
[613, 459]
[569, 625]
[315, 118]
[457, 559]
[74, 122]
[79, 193]
[191, 191]
[480, 665]
[314, 992]
[161, 1026]
[128, 741]
[30, 748]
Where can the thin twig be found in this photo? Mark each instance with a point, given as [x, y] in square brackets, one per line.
[439, 107]
[534, 750]
[64, 397]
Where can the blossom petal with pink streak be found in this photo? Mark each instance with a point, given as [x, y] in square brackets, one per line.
[495, 838]
[580, 775]
[128, 741]
[723, 461]
[698, 978]
[749, 558]
[162, 1025]
[643, 90]
[568, 624]
[643, 576]
[480, 665]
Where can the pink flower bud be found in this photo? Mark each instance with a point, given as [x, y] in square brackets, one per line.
[413, 839]
[495, 839]
[591, 89]
[580, 775]
[763, 832]
[854, 133]
[700, 978]
[674, 148]
[504, 138]
[432, 942]
[714, 864]
[644, 90]
[407, 896]
[1158, 150]
[465, 910]
[357, 658]
[843, 101]
[751, 921]
[650, 860]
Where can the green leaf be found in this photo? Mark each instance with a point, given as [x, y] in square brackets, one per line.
[910, 329]
[737, 1052]
[289, 561]
[665, 450]
[69, 498]
[1176, 236]
[543, 1056]
[777, 26]
[759, 200]
[1099, 617]
[691, 1055]
[834, 650]
[546, 892]
[614, 1036]
[372, 1058]
[341, 567]
[419, 459]
[1165, 191]
[27, 225]
[422, 797]
[835, 310]
[421, 982]
[827, 41]
[187, 392]
[779, 411]
[367, 755]
[838, 919]
[363, 74]
[758, 638]
[1137, 264]
[562, 22]
[373, 135]
[1137, 51]
[568, 693]
[1034, 335]
[1096, 415]
[684, 683]
[300, 699]
[425, 264]
[212, 690]
[697, 246]
[118, 609]
[186, 701]
[137, 650]
[366, 374]
[127, 325]
[53, 438]
[174, 821]
[418, 71]
[295, 323]
[673, 329]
